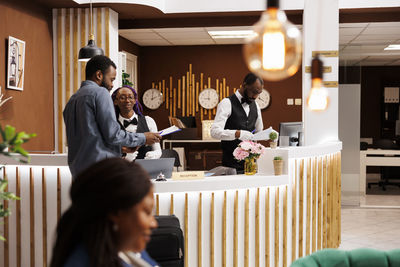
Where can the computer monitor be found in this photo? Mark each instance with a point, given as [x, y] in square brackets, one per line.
[292, 130]
[156, 166]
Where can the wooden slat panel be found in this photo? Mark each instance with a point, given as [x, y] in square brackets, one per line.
[224, 231]
[308, 208]
[44, 218]
[212, 251]
[257, 230]
[75, 85]
[246, 229]
[235, 230]
[325, 203]
[186, 229]
[59, 80]
[294, 205]
[276, 236]
[314, 205]
[67, 55]
[329, 196]
[301, 207]
[339, 204]
[320, 217]
[199, 231]
[107, 22]
[32, 216]
[6, 231]
[267, 226]
[99, 23]
[334, 208]
[18, 217]
[171, 207]
[285, 226]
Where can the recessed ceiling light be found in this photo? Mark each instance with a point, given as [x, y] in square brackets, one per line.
[231, 34]
[393, 47]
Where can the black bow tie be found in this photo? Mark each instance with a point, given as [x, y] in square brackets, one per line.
[127, 122]
[244, 100]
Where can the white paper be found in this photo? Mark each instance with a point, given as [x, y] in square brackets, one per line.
[169, 130]
[263, 135]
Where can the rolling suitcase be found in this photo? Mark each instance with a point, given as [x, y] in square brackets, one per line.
[166, 244]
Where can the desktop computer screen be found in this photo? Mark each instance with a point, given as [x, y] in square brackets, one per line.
[291, 132]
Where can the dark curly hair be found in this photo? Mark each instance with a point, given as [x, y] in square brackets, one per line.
[137, 107]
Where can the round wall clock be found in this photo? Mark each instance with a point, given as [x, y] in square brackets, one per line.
[152, 98]
[263, 99]
[208, 98]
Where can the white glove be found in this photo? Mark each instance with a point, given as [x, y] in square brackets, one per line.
[245, 135]
[131, 156]
[152, 155]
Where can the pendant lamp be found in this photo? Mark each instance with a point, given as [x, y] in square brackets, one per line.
[274, 52]
[90, 50]
[318, 99]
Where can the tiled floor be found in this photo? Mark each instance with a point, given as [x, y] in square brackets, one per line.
[370, 228]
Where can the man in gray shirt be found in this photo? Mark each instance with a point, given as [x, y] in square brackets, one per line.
[93, 132]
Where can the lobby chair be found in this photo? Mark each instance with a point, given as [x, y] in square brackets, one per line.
[170, 153]
[362, 257]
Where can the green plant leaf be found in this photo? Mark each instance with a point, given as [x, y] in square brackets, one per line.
[2, 238]
[9, 132]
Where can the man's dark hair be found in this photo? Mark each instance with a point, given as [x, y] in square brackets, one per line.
[252, 78]
[96, 63]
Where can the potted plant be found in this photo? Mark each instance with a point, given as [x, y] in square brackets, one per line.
[278, 165]
[274, 139]
[11, 146]
[249, 151]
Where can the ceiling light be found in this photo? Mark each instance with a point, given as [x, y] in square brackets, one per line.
[393, 47]
[231, 34]
[318, 99]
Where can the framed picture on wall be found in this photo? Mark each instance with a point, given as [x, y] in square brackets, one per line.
[15, 64]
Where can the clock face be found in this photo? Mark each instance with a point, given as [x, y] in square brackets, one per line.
[263, 99]
[152, 98]
[208, 98]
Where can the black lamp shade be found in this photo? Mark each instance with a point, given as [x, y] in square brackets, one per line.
[89, 51]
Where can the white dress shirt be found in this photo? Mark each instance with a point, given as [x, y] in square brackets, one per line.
[224, 112]
[156, 148]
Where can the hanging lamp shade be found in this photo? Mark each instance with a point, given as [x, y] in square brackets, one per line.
[89, 51]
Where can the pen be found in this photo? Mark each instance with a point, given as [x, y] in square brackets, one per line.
[253, 131]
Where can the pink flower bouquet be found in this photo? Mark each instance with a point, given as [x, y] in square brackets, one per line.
[248, 150]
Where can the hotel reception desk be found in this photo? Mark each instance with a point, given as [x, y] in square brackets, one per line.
[260, 220]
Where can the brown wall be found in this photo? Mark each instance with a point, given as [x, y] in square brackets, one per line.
[32, 109]
[222, 61]
[373, 80]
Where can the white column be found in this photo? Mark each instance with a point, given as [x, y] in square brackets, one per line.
[321, 33]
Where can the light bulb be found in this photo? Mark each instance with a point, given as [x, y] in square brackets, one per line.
[274, 52]
[318, 98]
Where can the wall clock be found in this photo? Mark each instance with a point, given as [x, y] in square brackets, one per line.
[152, 98]
[263, 99]
[208, 98]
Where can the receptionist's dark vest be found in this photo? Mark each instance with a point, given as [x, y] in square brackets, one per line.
[237, 121]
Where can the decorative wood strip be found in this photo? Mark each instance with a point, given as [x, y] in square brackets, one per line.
[211, 232]
[167, 99]
[339, 205]
[197, 96]
[336, 202]
[246, 229]
[186, 229]
[171, 208]
[99, 23]
[44, 218]
[183, 96]
[199, 232]
[301, 207]
[333, 199]
[188, 98]
[276, 259]
[6, 230]
[59, 80]
[314, 205]
[157, 204]
[193, 92]
[83, 41]
[75, 85]
[174, 114]
[308, 208]
[58, 194]
[32, 215]
[267, 228]
[325, 203]
[235, 230]
[18, 217]
[107, 22]
[67, 55]
[163, 91]
[224, 231]
[257, 230]
[285, 226]
[294, 205]
[320, 217]
[330, 202]
[179, 93]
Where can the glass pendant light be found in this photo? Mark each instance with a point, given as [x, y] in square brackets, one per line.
[318, 99]
[274, 52]
[91, 50]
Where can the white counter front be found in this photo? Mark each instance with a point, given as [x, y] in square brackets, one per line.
[227, 220]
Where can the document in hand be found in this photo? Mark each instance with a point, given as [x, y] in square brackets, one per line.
[263, 135]
[169, 130]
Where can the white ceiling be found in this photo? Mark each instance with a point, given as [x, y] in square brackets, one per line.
[359, 43]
